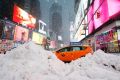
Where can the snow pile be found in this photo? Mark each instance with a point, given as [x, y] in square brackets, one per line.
[23, 62]
[100, 66]
[32, 62]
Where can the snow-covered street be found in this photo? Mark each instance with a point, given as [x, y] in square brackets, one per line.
[32, 62]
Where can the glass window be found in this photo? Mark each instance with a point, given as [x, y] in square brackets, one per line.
[64, 49]
[75, 48]
[78, 48]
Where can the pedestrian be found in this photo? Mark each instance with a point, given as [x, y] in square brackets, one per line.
[44, 42]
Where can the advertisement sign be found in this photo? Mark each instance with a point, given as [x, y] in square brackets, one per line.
[90, 20]
[42, 27]
[37, 37]
[8, 31]
[22, 17]
[107, 36]
[114, 7]
[108, 41]
[21, 34]
[100, 12]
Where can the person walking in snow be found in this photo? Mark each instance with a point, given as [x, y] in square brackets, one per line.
[44, 42]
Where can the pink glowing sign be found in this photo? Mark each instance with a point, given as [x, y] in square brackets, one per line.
[102, 11]
[90, 19]
[114, 7]
[20, 34]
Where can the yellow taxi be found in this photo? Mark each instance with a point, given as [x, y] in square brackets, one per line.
[70, 53]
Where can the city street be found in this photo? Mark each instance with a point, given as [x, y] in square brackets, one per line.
[59, 39]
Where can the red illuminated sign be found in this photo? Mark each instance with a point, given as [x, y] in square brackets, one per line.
[22, 17]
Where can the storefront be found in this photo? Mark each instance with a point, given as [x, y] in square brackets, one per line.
[108, 41]
[89, 41]
[9, 35]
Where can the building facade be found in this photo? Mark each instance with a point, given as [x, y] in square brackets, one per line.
[31, 7]
[19, 23]
[100, 25]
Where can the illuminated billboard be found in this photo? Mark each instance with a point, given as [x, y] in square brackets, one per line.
[22, 17]
[114, 7]
[100, 12]
[21, 34]
[108, 41]
[37, 37]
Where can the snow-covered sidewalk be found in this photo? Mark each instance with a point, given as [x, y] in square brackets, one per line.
[31, 62]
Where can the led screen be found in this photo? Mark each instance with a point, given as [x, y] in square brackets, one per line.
[21, 34]
[90, 20]
[22, 17]
[101, 11]
[114, 7]
[37, 37]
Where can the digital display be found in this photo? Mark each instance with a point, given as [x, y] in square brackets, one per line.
[37, 37]
[22, 17]
[21, 34]
[90, 20]
[114, 7]
[100, 12]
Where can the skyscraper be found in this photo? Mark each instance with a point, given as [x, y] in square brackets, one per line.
[58, 14]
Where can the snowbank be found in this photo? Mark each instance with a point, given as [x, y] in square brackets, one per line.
[32, 62]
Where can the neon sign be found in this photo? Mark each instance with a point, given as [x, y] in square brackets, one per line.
[22, 17]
